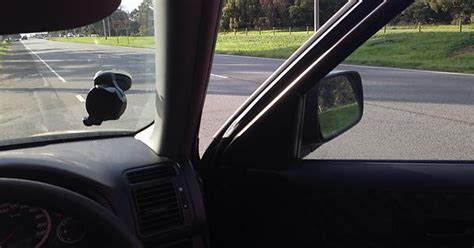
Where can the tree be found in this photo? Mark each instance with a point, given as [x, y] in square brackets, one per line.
[276, 12]
[240, 14]
[457, 9]
[253, 9]
[231, 18]
[297, 17]
[301, 13]
[425, 11]
[419, 12]
[141, 19]
[329, 8]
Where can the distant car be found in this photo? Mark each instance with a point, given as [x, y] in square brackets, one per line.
[14, 38]
[24, 37]
[70, 35]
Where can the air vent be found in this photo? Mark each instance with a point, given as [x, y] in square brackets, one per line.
[151, 173]
[183, 243]
[157, 208]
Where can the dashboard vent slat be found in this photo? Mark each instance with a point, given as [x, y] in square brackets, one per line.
[157, 208]
[183, 243]
[151, 173]
[186, 243]
[153, 202]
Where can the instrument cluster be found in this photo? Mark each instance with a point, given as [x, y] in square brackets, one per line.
[27, 226]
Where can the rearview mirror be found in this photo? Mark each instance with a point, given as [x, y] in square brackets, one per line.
[332, 107]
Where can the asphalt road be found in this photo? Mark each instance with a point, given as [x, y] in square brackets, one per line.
[408, 114]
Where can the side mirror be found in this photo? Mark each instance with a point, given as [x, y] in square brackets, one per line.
[332, 107]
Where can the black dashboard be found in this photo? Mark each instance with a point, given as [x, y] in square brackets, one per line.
[159, 200]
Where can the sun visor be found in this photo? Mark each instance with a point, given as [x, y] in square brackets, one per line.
[28, 16]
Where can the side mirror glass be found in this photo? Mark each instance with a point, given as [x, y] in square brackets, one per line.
[338, 105]
[332, 107]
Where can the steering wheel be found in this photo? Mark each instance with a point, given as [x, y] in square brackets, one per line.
[53, 197]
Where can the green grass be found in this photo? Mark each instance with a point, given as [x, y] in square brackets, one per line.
[3, 48]
[440, 47]
[437, 48]
[444, 51]
[336, 119]
[143, 42]
[280, 45]
[428, 28]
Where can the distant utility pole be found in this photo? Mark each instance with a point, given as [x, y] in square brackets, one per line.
[105, 30]
[108, 26]
[316, 15]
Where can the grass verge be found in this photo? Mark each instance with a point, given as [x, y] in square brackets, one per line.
[336, 119]
[280, 45]
[441, 51]
[3, 48]
[143, 42]
[441, 48]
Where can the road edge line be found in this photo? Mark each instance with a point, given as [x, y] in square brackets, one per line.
[410, 70]
[361, 66]
[80, 98]
[219, 76]
[46, 64]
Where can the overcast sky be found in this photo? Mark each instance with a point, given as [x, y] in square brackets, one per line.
[130, 5]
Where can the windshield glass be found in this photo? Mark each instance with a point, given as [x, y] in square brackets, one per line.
[45, 77]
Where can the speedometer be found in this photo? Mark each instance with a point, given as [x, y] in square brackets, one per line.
[70, 231]
[23, 226]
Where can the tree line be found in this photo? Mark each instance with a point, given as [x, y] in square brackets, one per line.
[252, 14]
[437, 12]
[267, 14]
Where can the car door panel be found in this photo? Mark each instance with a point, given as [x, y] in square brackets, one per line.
[347, 203]
[391, 203]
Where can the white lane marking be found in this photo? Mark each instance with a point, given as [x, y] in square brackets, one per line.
[410, 70]
[106, 56]
[46, 64]
[360, 66]
[80, 98]
[219, 76]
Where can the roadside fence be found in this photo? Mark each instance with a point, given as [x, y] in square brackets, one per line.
[420, 28]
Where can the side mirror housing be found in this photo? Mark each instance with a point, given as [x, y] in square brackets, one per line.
[333, 106]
